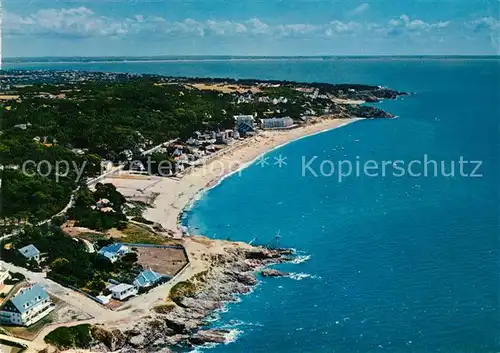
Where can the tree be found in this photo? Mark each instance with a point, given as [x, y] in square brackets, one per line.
[130, 257]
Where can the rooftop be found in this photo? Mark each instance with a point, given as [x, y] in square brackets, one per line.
[28, 297]
[147, 276]
[113, 248]
[29, 251]
[122, 287]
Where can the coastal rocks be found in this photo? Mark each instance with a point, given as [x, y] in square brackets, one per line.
[372, 99]
[178, 325]
[363, 111]
[201, 305]
[247, 279]
[113, 339]
[181, 321]
[209, 336]
[273, 273]
[175, 339]
[137, 341]
[262, 254]
[133, 350]
[375, 94]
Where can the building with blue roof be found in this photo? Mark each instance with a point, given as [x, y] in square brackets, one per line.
[114, 251]
[30, 252]
[148, 278]
[29, 305]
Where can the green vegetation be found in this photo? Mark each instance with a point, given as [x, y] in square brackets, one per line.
[135, 234]
[142, 220]
[187, 288]
[134, 209]
[181, 290]
[70, 337]
[69, 262]
[90, 214]
[164, 308]
[15, 278]
[115, 116]
[109, 338]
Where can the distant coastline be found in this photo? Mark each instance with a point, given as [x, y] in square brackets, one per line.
[225, 58]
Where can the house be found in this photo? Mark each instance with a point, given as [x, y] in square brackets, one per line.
[193, 142]
[122, 291]
[102, 203]
[276, 123]
[4, 274]
[147, 279]
[114, 251]
[244, 123]
[223, 137]
[30, 252]
[28, 306]
[103, 299]
[22, 126]
[178, 152]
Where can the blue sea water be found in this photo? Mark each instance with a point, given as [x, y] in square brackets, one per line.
[395, 264]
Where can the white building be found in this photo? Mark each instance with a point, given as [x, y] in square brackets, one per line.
[224, 137]
[30, 252]
[276, 123]
[28, 306]
[122, 291]
[114, 251]
[244, 119]
[244, 123]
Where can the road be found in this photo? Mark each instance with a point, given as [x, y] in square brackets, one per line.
[31, 347]
[71, 297]
[157, 147]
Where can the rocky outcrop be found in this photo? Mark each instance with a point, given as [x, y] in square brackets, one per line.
[374, 94]
[112, 340]
[209, 336]
[363, 111]
[273, 273]
[137, 341]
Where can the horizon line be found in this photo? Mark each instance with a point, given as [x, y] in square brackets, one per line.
[254, 56]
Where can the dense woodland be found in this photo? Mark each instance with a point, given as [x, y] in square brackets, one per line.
[90, 218]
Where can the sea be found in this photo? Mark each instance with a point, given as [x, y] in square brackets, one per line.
[386, 260]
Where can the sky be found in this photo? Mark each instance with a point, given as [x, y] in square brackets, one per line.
[36, 28]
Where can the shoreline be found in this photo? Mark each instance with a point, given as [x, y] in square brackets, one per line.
[176, 197]
[219, 271]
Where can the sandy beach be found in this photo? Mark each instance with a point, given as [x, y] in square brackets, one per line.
[227, 268]
[177, 194]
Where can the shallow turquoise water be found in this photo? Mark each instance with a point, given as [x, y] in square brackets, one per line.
[406, 264]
